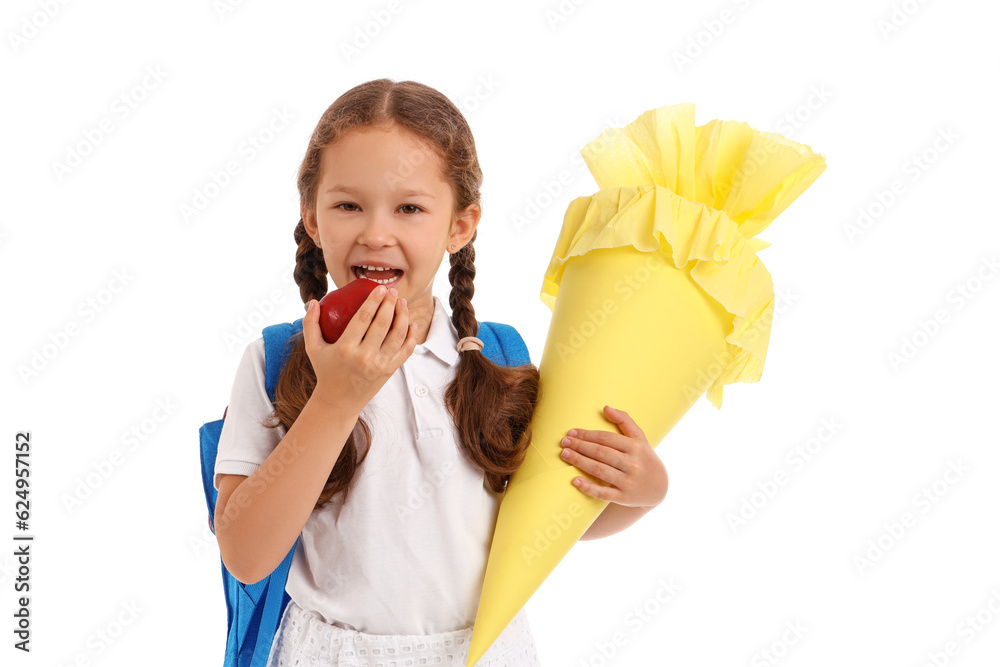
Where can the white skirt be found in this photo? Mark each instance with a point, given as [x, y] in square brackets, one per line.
[303, 639]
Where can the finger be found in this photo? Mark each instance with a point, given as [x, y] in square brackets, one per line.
[607, 438]
[609, 456]
[598, 469]
[599, 491]
[410, 342]
[399, 329]
[311, 332]
[358, 325]
[625, 422]
[375, 336]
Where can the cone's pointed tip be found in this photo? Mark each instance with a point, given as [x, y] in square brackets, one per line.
[474, 656]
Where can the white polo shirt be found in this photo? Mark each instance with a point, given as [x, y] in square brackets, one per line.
[406, 554]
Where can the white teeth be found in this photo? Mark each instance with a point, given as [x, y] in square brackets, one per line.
[359, 272]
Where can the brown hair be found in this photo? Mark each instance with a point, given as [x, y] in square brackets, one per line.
[491, 405]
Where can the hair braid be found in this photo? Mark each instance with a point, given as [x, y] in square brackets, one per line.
[461, 276]
[310, 267]
[491, 405]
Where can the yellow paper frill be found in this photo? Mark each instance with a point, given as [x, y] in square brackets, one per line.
[705, 192]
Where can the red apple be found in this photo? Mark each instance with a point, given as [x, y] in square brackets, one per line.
[338, 307]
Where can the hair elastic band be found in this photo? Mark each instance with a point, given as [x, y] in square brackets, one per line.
[470, 343]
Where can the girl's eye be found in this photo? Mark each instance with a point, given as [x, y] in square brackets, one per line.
[404, 206]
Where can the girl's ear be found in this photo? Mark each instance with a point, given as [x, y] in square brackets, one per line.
[464, 226]
[309, 220]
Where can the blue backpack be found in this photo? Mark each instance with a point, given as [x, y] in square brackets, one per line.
[254, 611]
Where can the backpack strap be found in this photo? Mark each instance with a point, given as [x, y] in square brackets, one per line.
[275, 599]
[502, 344]
[278, 343]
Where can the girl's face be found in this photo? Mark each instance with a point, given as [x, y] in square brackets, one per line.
[382, 201]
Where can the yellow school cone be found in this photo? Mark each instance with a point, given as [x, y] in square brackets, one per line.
[657, 297]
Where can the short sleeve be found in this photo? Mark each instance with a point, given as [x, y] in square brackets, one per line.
[245, 443]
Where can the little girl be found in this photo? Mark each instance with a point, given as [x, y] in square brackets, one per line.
[388, 450]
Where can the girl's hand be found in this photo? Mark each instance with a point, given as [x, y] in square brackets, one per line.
[351, 371]
[635, 475]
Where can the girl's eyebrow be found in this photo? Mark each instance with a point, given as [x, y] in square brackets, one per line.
[354, 191]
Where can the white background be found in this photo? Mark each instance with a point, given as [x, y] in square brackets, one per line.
[536, 86]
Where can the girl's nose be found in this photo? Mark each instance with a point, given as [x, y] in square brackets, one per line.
[377, 230]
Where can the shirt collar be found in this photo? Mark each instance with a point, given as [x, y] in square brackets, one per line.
[442, 337]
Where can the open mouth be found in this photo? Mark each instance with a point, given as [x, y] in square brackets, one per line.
[382, 277]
